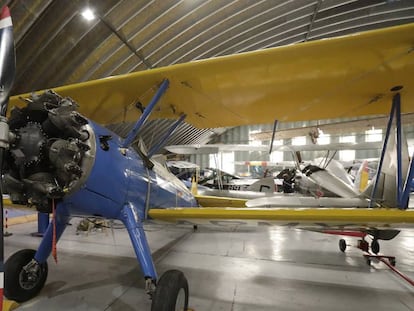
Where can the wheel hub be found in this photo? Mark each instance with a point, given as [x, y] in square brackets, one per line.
[180, 303]
[30, 275]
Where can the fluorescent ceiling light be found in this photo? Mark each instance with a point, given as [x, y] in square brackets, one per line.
[88, 14]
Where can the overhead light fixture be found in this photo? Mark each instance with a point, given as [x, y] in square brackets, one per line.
[88, 14]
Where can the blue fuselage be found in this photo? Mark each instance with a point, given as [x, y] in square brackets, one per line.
[119, 177]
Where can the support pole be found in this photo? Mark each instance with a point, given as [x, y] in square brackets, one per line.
[42, 224]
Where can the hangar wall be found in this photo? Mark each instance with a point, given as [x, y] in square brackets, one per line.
[241, 135]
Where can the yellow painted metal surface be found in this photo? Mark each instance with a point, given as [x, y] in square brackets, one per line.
[355, 216]
[213, 201]
[9, 305]
[330, 78]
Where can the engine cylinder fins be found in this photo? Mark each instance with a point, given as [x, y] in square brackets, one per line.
[29, 144]
[51, 150]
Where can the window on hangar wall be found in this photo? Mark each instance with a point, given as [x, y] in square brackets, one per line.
[347, 155]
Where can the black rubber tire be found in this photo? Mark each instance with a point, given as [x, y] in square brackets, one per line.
[342, 245]
[14, 275]
[171, 285]
[392, 262]
[375, 247]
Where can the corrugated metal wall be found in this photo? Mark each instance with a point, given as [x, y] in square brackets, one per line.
[240, 135]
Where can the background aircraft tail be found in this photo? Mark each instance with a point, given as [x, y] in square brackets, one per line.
[265, 184]
[362, 177]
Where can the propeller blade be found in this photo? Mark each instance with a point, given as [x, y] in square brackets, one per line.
[7, 72]
[7, 59]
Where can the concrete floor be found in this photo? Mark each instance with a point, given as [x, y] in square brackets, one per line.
[228, 269]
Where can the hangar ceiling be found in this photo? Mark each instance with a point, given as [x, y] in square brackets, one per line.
[56, 45]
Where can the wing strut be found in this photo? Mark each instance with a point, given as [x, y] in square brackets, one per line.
[167, 135]
[407, 188]
[402, 190]
[147, 111]
[273, 136]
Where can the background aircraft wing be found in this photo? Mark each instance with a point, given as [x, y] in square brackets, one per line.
[330, 78]
[216, 148]
[349, 217]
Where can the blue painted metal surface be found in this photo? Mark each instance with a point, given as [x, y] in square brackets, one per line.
[147, 111]
[130, 217]
[117, 189]
[409, 185]
[397, 100]
[45, 247]
[42, 222]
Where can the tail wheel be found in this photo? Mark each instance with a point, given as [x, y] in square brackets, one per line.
[23, 276]
[342, 245]
[171, 293]
[375, 247]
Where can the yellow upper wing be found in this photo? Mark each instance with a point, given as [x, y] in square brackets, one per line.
[338, 77]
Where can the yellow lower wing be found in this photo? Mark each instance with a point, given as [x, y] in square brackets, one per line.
[378, 217]
[205, 200]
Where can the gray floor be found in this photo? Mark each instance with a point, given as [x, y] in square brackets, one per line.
[229, 269]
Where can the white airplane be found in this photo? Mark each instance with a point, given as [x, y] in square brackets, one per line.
[322, 177]
[330, 185]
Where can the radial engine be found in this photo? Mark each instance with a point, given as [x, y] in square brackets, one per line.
[51, 151]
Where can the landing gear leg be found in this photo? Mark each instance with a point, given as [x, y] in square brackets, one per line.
[170, 293]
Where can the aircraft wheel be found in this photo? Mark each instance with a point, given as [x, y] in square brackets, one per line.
[171, 293]
[392, 262]
[21, 285]
[375, 247]
[342, 245]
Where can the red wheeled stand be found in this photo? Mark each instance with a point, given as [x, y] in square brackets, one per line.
[388, 260]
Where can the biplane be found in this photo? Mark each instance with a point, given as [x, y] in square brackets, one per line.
[61, 162]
